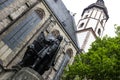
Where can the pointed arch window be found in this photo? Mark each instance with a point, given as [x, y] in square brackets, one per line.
[40, 13]
[55, 33]
[18, 34]
[81, 25]
[69, 52]
[65, 60]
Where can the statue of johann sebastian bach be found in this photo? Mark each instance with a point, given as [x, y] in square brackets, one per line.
[40, 55]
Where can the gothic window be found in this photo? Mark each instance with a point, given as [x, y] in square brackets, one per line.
[59, 61]
[99, 31]
[66, 58]
[22, 29]
[40, 13]
[81, 25]
[65, 61]
[55, 33]
[69, 52]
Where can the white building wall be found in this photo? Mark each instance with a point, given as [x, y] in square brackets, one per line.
[89, 42]
[102, 16]
[79, 25]
[92, 23]
[81, 38]
[98, 14]
[94, 13]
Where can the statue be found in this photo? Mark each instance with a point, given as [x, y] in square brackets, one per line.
[38, 58]
[40, 55]
[32, 50]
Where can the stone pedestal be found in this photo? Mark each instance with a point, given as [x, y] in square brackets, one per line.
[27, 74]
[23, 74]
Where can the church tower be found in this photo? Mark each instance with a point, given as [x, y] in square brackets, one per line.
[92, 24]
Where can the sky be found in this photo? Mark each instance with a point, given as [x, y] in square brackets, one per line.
[77, 6]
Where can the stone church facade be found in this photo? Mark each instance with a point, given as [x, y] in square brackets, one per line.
[22, 21]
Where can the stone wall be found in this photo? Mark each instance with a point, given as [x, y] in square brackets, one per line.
[20, 25]
[21, 30]
[12, 11]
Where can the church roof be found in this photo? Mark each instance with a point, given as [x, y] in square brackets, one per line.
[99, 4]
[64, 16]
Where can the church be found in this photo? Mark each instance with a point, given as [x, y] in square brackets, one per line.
[46, 27]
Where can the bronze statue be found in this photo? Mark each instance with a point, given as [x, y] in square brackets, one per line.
[40, 55]
[32, 50]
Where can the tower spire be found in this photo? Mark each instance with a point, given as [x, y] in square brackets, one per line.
[100, 2]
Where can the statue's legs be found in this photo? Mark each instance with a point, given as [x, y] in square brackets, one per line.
[43, 65]
[28, 58]
[36, 63]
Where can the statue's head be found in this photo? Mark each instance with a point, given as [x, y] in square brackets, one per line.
[50, 37]
[31, 46]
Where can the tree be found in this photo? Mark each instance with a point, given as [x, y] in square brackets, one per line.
[117, 30]
[101, 62]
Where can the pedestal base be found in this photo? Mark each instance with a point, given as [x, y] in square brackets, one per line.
[27, 74]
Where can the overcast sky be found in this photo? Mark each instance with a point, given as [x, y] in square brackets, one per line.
[77, 6]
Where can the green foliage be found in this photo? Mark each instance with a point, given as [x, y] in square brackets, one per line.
[102, 62]
[117, 30]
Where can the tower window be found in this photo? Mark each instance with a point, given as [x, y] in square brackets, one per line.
[101, 22]
[99, 32]
[81, 25]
